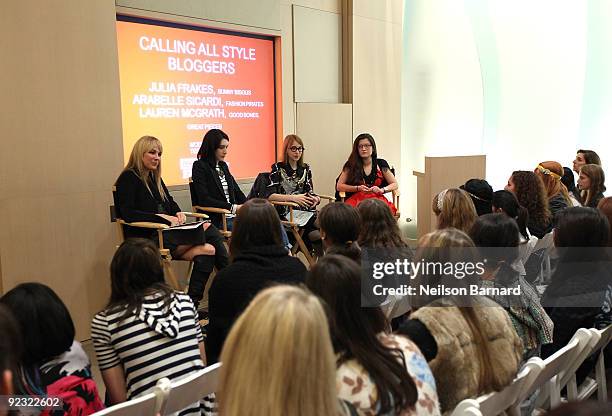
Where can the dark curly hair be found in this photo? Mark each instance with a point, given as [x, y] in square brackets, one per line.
[378, 226]
[530, 193]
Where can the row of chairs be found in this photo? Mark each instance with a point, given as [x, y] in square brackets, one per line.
[547, 378]
[170, 397]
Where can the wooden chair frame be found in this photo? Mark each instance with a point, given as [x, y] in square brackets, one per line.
[164, 252]
[298, 233]
[212, 210]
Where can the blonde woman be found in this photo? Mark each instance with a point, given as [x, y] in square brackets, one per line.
[142, 196]
[454, 208]
[591, 182]
[278, 359]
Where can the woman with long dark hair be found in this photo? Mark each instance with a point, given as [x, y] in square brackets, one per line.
[365, 175]
[147, 331]
[142, 196]
[578, 295]
[530, 193]
[259, 259]
[591, 182]
[212, 180]
[386, 366]
[498, 236]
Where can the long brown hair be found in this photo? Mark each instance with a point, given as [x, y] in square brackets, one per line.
[454, 208]
[530, 193]
[605, 206]
[378, 226]
[429, 251]
[596, 174]
[354, 164]
[340, 225]
[355, 330]
[278, 358]
[135, 163]
[551, 173]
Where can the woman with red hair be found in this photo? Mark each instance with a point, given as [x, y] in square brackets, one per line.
[551, 173]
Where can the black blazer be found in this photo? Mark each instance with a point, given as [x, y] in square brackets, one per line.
[209, 191]
[134, 202]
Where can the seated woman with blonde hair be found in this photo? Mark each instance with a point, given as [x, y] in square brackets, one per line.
[278, 359]
[454, 208]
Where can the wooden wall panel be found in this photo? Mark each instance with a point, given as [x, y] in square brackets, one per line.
[61, 121]
[326, 131]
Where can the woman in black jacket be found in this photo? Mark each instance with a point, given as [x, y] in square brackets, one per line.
[142, 196]
[213, 183]
[259, 259]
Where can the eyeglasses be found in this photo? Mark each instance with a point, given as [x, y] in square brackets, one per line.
[364, 146]
[296, 149]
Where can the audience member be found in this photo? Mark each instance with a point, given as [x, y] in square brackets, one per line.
[498, 236]
[142, 196]
[291, 181]
[591, 182]
[551, 173]
[570, 183]
[147, 330]
[530, 193]
[505, 202]
[605, 206]
[454, 208]
[481, 193]
[10, 353]
[340, 228]
[472, 349]
[278, 359]
[52, 363]
[392, 375]
[579, 293]
[379, 228]
[213, 183]
[258, 260]
[585, 157]
[379, 232]
[365, 175]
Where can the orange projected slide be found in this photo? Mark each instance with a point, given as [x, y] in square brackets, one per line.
[176, 84]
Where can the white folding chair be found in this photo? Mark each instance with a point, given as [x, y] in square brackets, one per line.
[589, 386]
[149, 404]
[191, 389]
[508, 399]
[563, 363]
[467, 407]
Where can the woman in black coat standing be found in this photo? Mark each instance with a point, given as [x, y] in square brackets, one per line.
[213, 183]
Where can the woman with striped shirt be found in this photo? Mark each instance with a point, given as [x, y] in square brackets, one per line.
[147, 331]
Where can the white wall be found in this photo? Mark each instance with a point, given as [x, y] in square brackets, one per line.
[520, 81]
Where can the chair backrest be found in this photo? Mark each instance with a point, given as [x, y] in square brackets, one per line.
[557, 365]
[259, 186]
[149, 404]
[510, 397]
[467, 407]
[605, 335]
[192, 389]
